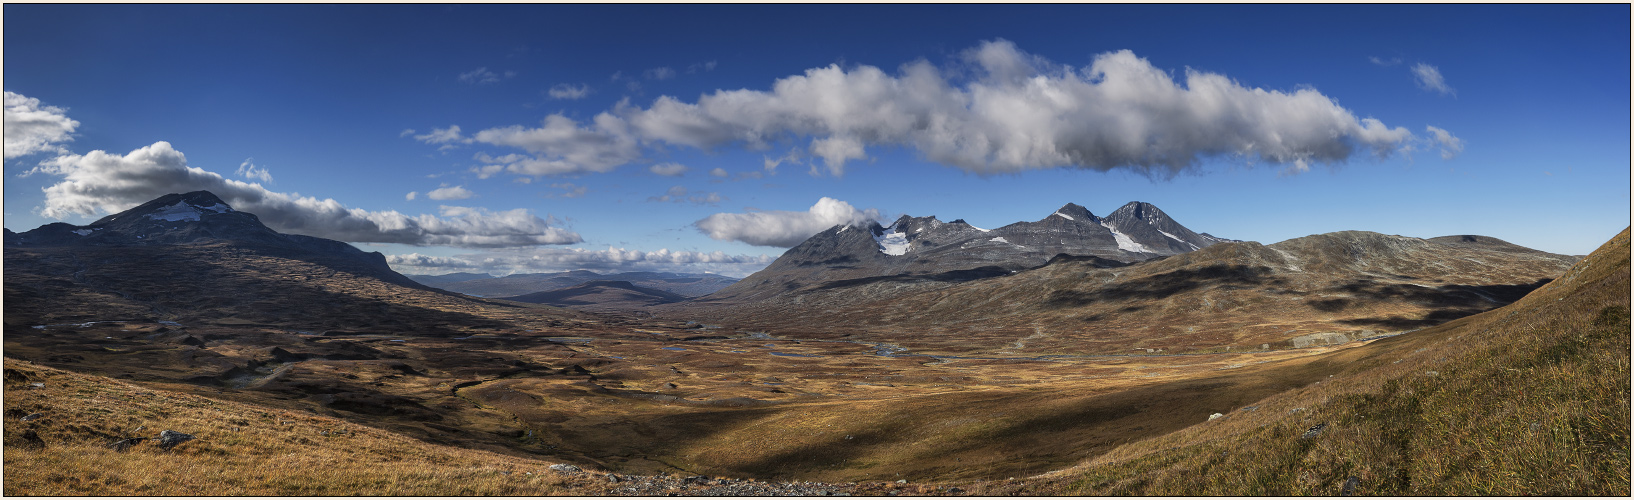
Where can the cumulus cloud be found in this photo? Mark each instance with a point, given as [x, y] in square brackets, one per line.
[248, 170]
[718, 172]
[1002, 111]
[31, 127]
[611, 260]
[450, 193]
[565, 91]
[678, 194]
[481, 76]
[668, 169]
[1021, 112]
[411, 195]
[778, 228]
[448, 138]
[1429, 78]
[663, 73]
[561, 146]
[1450, 146]
[99, 182]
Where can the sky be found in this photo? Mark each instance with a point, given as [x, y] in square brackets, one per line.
[542, 138]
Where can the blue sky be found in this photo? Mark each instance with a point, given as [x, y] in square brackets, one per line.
[629, 137]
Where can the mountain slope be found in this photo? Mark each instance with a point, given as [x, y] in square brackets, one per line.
[1528, 399]
[482, 285]
[191, 258]
[927, 250]
[603, 295]
[1313, 290]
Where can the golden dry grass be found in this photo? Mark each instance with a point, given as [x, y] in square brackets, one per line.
[1529, 399]
[240, 449]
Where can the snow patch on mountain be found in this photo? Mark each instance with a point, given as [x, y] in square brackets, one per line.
[85, 232]
[218, 208]
[175, 213]
[1000, 239]
[892, 242]
[1064, 216]
[1125, 243]
[1177, 238]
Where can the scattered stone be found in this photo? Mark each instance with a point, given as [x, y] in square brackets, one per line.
[612, 478]
[169, 439]
[1251, 408]
[126, 444]
[1313, 431]
[37, 385]
[902, 481]
[1296, 410]
[565, 468]
[1214, 416]
[1432, 373]
[1350, 486]
[33, 416]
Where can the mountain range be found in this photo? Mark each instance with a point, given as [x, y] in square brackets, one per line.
[925, 248]
[483, 285]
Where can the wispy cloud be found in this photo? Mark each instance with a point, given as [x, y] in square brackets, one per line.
[446, 193]
[32, 127]
[544, 260]
[679, 194]
[569, 190]
[565, 91]
[778, 228]
[1384, 62]
[1450, 146]
[661, 73]
[668, 169]
[481, 76]
[1429, 78]
[248, 170]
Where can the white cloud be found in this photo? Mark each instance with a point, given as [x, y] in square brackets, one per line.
[449, 138]
[718, 172]
[562, 146]
[779, 228]
[565, 91]
[1010, 112]
[99, 182]
[663, 73]
[611, 260]
[678, 194]
[411, 195]
[1020, 112]
[1429, 78]
[31, 127]
[248, 170]
[450, 193]
[1384, 62]
[706, 66]
[1450, 146]
[481, 76]
[668, 169]
[406, 132]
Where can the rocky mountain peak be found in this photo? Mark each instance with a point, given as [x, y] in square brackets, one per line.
[1076, 212]
[1138, 210]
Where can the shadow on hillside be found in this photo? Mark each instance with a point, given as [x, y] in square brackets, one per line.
[944, 277]
[1227, 277]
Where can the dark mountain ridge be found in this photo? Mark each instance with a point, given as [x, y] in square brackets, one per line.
[482, 285]
[601, 295]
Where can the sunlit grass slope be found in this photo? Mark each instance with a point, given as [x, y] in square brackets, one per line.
[1528, 399]
[240, 449]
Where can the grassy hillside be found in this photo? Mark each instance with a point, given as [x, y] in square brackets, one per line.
[1529, 399]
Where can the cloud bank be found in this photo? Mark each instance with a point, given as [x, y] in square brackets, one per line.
[544, 260]
[99, 182]
[31, 127]
[778, 228]
[995, 110]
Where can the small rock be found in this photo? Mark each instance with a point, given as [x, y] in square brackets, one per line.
[33, 416]
[1350, 486]
[1214, 416]
[612, 478]
[1313, 431]
[902, 481]
[1432, 373]
[1251, 408]
[564, 468]
[1296, 410]
[169, 439]
[37, 385]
